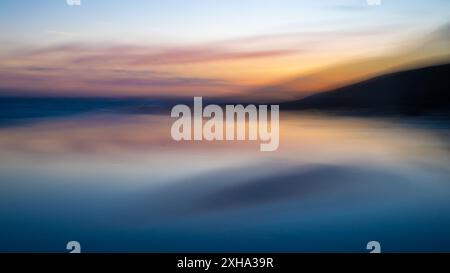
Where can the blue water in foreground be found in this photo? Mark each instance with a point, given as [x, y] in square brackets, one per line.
[118, 183]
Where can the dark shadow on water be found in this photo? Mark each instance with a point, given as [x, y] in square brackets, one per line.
[218, 192]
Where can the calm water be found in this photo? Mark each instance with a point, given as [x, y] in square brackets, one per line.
[119, 183]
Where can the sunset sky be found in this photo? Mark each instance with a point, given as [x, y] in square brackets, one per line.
[209, 48]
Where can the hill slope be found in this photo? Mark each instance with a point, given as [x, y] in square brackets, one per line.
[413, 92]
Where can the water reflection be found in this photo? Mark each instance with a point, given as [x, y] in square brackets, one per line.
[120, 183]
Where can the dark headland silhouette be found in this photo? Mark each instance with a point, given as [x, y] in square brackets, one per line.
[413, 92]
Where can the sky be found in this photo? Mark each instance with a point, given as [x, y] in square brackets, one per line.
[208, 48]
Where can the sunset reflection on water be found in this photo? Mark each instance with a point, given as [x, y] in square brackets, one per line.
[122, 177]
